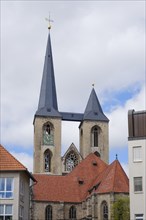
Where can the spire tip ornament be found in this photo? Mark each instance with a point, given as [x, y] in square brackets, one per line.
[49, 21]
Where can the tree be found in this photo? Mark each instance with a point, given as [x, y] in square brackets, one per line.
[121, 210]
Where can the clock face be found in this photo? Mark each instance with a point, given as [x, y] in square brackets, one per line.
[48, 139]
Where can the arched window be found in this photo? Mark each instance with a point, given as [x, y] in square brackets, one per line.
[48, 214]
[48, 134]
[72, 213]
[104, 210]
[47, 160]
[95, 136]
[71, 161]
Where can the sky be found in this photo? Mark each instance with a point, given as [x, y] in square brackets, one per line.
[93, 42]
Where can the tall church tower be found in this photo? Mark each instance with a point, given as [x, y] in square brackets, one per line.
[93, 127]
[94, 130]
[47, 122]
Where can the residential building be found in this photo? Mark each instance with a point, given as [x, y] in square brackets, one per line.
[14, 188]
[137, 163]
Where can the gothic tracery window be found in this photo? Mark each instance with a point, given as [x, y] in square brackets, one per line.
[71, 161]
[48, 214]
[72, 213]
[104, 210]
[48, 134]
[47, 160]
[95, 136]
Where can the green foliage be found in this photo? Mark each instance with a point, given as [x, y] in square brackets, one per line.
[121, 210]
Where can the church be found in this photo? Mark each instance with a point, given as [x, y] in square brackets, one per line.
[81, 184]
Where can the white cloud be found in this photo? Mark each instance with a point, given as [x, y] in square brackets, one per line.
[118, 125]
[25, 159]
[92, 42]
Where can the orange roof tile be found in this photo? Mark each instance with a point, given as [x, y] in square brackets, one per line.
[75, 186]
[8, 162]
[72, 187]
[113, 179]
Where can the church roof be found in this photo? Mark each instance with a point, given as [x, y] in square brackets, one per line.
[113, 179]
[10, 163]
[93, 109]
[75, 186]
[48, 99]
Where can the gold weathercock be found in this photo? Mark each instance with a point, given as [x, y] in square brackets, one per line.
[49, 21]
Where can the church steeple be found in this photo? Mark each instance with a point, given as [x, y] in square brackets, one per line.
[94, 129]
[93, 109]
[48, 99]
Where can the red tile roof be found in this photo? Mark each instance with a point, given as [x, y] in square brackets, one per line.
[10, 163]
[113, 179]
[75, 186]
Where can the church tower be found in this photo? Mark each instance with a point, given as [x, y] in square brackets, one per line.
[93, 127]
[47, 122]
[94, 130]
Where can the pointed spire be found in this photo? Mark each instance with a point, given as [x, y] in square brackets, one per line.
[48, 99]
[93, 109]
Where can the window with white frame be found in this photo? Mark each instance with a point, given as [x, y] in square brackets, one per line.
[139, 217]
[6, 212]
[138, 184]
[137, 153]
[6, 188]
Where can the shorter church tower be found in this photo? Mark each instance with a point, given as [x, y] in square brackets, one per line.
[47, 122]
[94, 130]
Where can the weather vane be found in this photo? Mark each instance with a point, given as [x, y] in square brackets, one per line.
[49, 20]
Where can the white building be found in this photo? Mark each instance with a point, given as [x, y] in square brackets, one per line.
[14, 188]
[137, 164]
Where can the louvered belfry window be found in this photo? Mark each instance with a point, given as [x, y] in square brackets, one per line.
[47, 160]
[95, 131]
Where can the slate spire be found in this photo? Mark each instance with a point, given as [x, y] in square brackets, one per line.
[48, 99]
[93, 109]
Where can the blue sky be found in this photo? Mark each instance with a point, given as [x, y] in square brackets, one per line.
[100, 42]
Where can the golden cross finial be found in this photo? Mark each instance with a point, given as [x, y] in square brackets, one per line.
[49, 20]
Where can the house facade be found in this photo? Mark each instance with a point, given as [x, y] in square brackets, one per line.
[14, 188]
[137, 163]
